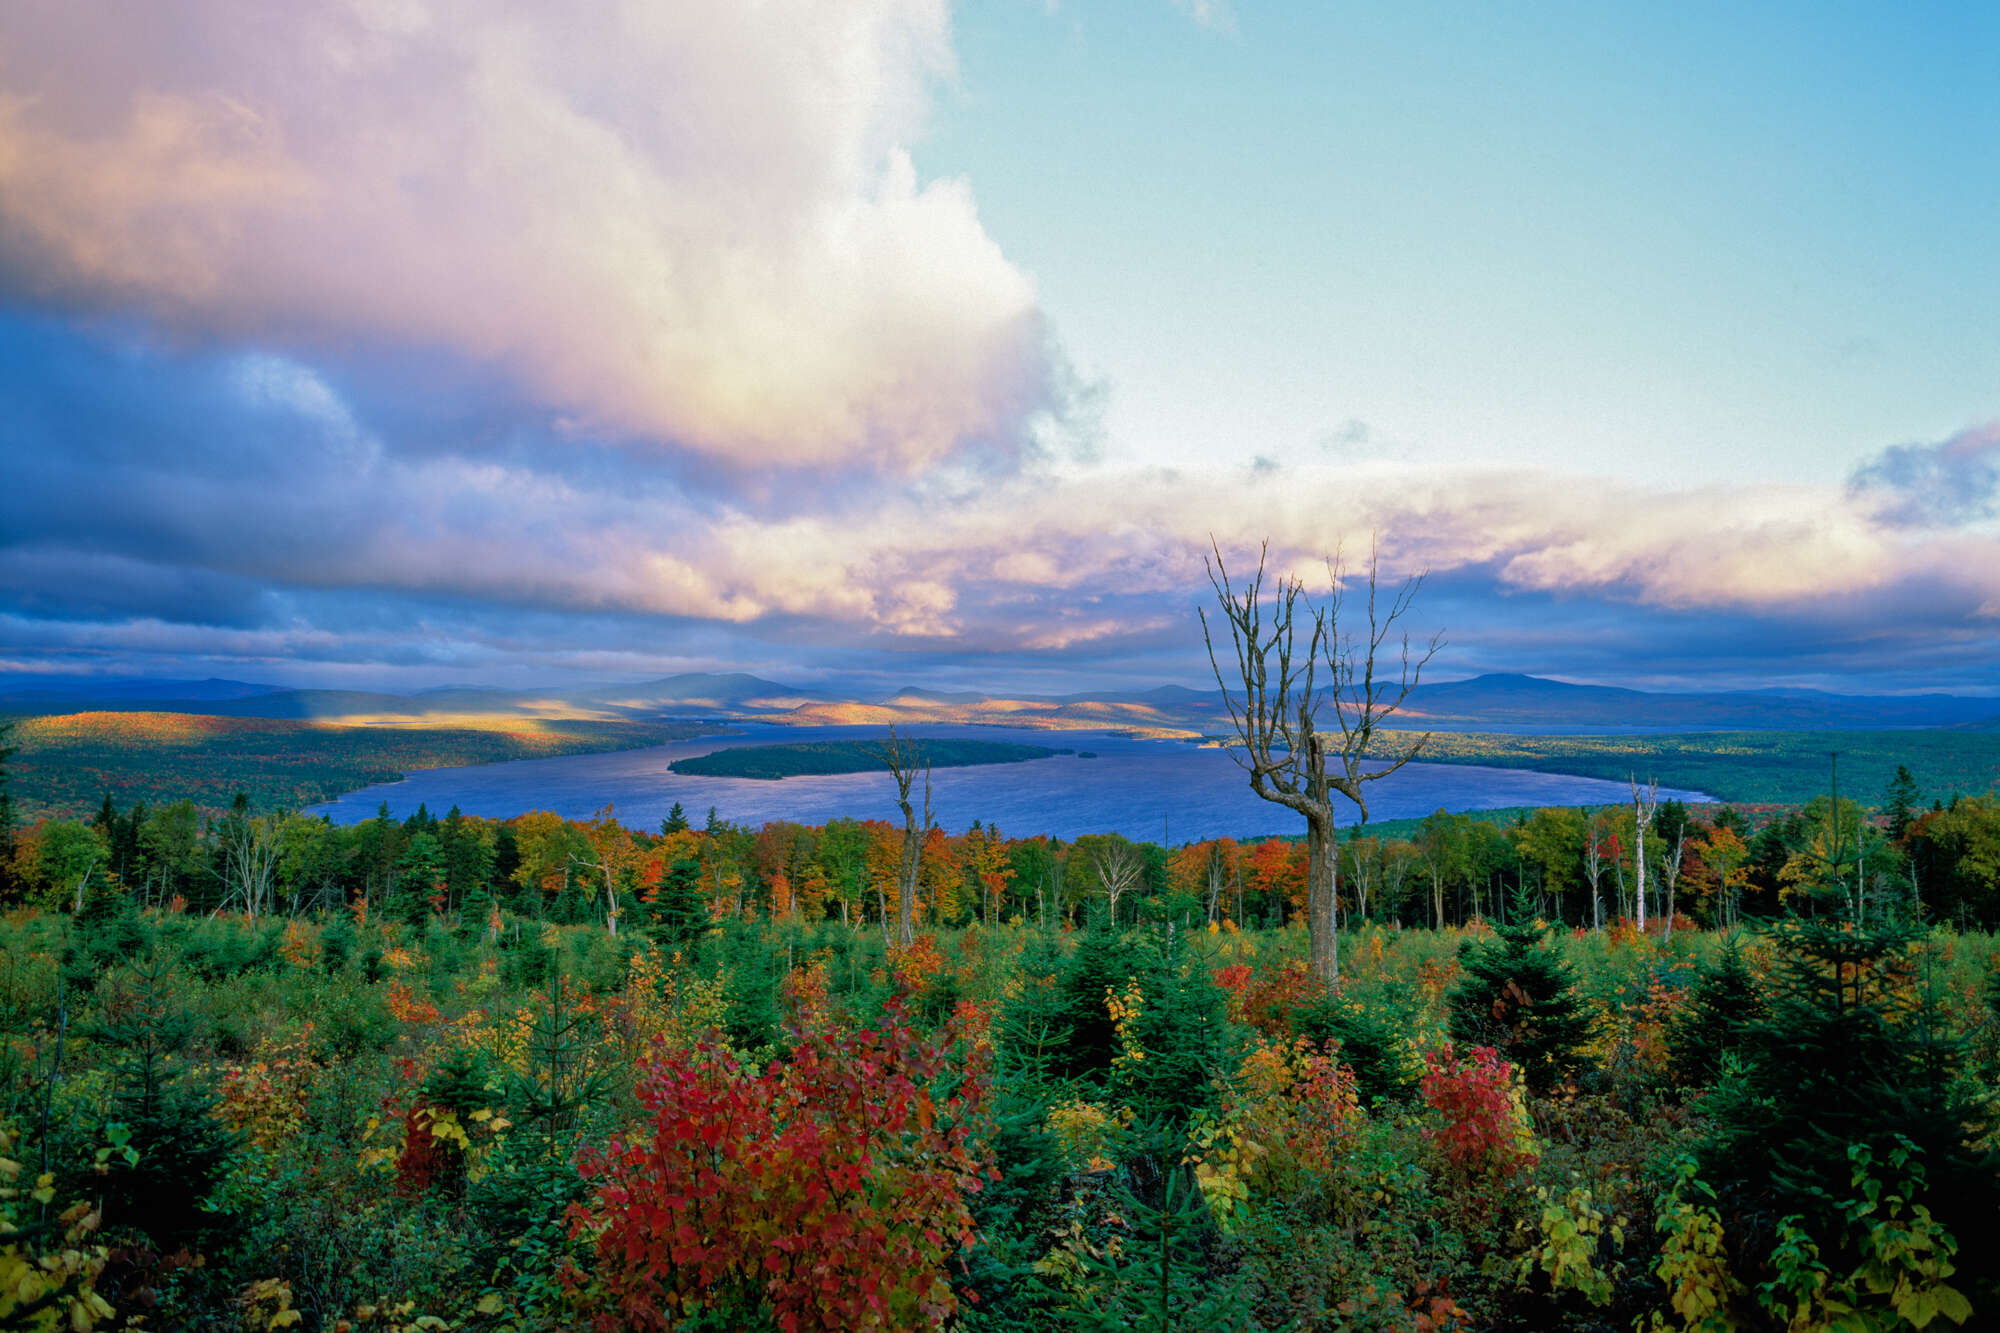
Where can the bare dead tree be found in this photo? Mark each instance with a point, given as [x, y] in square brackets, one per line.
[1118, 870]
[1362, 857]
[1670, 870]
[250, 856]
[1593, 870]
[1281, 642]
[905, 761]
[604, 867]
[1362, 698]
[1215, 882]
[1644, 804]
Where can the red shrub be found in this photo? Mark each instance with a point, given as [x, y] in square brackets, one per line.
[1484, 1129]
[828, 1192]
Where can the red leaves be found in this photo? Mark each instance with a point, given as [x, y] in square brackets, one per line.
[1484, 1129]
[827, 1192]
[1268, 1001]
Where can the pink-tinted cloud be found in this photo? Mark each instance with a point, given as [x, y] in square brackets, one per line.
[694, 223]
[253, 500]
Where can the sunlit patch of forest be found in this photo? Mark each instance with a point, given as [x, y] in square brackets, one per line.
[65, 764]
[448, 1072]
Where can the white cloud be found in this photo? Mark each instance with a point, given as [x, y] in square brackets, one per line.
[697, 223]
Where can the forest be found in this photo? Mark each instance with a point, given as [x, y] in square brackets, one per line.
[817, 758]
[445, 1072]
[64, 764]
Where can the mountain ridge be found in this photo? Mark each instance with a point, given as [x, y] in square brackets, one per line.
[1498, 701]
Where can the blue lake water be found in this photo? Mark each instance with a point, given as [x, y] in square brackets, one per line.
[1154, 790]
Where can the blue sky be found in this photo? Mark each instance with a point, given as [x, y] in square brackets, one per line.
[879, 342]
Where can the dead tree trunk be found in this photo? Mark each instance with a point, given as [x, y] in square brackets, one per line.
[1670, 869]
[1119, 870]
[905, 762]
[1643, 806]
[1275, 699]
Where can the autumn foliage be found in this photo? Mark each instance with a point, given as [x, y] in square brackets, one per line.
[827, 1192]
[1482, 1127]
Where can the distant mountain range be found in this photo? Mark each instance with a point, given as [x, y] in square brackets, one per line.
[1506, 703]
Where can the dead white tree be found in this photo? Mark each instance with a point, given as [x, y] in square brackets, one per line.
[1593, 870]
[1643, 806]
[1285, 713]
[1670, 871]
[1362, 858]
[905, 761]
[1216, 882]
[1119, 870]
[250, 849]
[602, 866]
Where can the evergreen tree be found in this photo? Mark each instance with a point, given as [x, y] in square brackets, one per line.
[679, 913]
[520, 1204]
[1374, 1042]
[1722, 1005]
[1163, 1276]
[180, 1151]
[572, 906]
[1180, 1034]
[507, 859]
[1103, 961]
[1517, 994]
[1901, 803]
[1848, 1058]
[676, 820]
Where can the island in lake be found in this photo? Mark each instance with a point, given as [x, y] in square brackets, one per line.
[822, 758]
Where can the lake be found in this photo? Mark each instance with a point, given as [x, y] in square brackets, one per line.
[1167, 791]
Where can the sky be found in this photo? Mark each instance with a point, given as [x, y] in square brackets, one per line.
[869, 343]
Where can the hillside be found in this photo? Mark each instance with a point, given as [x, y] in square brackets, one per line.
[65, 765]
[1491, 703]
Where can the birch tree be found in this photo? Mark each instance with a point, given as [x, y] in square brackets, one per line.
[1643, 805]
[1118, 868]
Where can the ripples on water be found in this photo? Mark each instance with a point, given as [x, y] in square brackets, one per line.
[1157, 790]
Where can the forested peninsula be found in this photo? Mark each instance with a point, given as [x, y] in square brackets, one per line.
[827, 758]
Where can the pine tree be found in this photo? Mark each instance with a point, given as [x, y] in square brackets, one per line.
[1180, 1033]
[1374, 1042]
[679, 913]
[521, 1202]
[1901, 803]
[1518, 995]
[1162, 1278]
[182, 1150]
[1104, 960]
[1722, 1005]
[1849, 1055]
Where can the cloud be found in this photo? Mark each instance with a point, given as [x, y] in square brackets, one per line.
[1944, 485]
[1215, 15]
[169, 500]
[698, 225]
